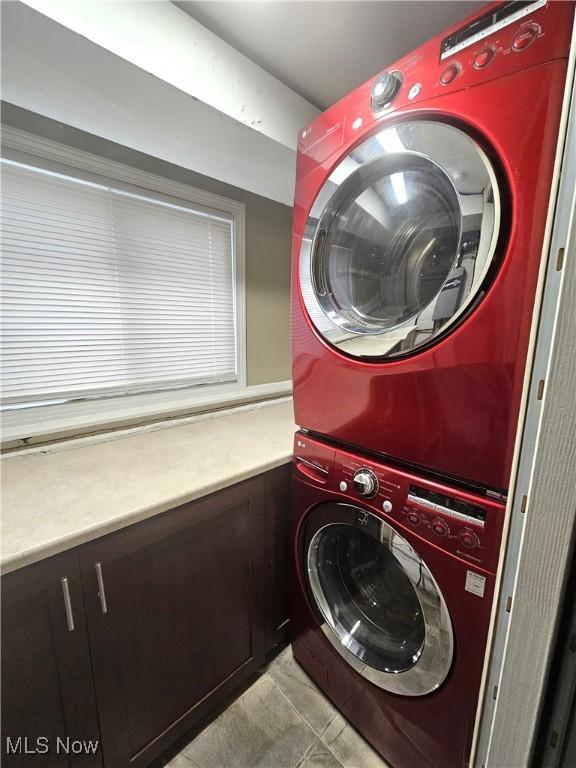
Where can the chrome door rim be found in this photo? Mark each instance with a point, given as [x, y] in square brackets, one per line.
[366, 342]
[435, 660]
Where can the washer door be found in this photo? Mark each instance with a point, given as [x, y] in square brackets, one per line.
[380, 606]
[400, 240]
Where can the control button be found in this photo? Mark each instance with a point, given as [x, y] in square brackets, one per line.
[414, 518]
[343, 485]
[450, 73]
[385, 89]
[469, 539]
[387, 506]
[414, 91]
[366, 483]
[525, 37]
[440, 528]
[484, 57]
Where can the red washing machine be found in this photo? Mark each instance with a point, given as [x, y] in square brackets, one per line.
[391, 596]
[420, 209]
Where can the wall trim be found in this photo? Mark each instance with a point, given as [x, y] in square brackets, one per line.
[542, 508]
[19, 140]
[57, 423]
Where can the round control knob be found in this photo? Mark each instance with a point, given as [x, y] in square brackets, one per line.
[440, 528]
[387, 505]
[469, 539]
[450, 73]
[483, 57]
[365, 482]
[525, 37]
[414, 518]
[385, 89]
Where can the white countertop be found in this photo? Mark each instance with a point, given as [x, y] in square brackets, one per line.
[54, 501]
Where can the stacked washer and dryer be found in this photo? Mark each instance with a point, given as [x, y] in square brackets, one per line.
[420, 211]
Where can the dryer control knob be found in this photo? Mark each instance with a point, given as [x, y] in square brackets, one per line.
[385, 89]
[366, 483]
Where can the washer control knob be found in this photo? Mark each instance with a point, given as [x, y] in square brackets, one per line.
[387, 505]
[343, 485]
[366, 483]
[385, 89]
[469, 539]
[414, 518]
[440, 528]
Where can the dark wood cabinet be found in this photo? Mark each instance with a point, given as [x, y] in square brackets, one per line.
[48, 705]
[174, 618]
[170, 616]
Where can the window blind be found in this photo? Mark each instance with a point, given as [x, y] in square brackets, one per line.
[106, 292]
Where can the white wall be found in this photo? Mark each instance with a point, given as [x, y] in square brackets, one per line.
[164, 41]
[48, 69]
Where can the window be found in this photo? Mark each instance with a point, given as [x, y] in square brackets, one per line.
[110, 289]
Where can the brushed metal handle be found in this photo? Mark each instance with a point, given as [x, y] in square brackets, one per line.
[67, 604]
[101, 590]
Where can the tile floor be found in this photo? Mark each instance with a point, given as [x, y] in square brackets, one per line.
[281, 721]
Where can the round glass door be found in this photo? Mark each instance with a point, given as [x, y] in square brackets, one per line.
[379, 605]
[400, 240]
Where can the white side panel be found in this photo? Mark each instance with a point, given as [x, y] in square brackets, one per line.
[544, 503]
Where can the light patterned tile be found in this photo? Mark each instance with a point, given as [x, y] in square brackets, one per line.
[259, 730]
[349, 747]
[319, 756]
[295, 684]
[181, 761]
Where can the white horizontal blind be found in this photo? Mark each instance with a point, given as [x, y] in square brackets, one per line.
[105, 292]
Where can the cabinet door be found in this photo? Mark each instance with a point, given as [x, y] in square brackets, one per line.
[48, 705]
[175, 619]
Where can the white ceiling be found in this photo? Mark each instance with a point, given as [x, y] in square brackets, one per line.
[322, 49]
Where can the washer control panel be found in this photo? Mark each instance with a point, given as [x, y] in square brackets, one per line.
[465, 524]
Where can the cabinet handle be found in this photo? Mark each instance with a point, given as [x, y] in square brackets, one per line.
[101, 591]
[67, 604]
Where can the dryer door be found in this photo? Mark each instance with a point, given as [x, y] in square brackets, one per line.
[379, 605]
[401, 240]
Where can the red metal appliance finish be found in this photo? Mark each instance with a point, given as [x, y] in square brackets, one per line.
[453, 407]
[425, 731]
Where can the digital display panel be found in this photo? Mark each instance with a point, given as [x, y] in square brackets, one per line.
[448, 502]
[488, 23]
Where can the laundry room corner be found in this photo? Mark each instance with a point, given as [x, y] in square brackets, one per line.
[287, 401]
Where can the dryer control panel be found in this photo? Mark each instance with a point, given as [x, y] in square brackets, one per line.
[493, 42]
[465, 524]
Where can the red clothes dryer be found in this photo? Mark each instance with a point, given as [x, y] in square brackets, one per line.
[420, 210]
[391, 595]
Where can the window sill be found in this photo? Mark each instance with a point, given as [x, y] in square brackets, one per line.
[52, 423]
